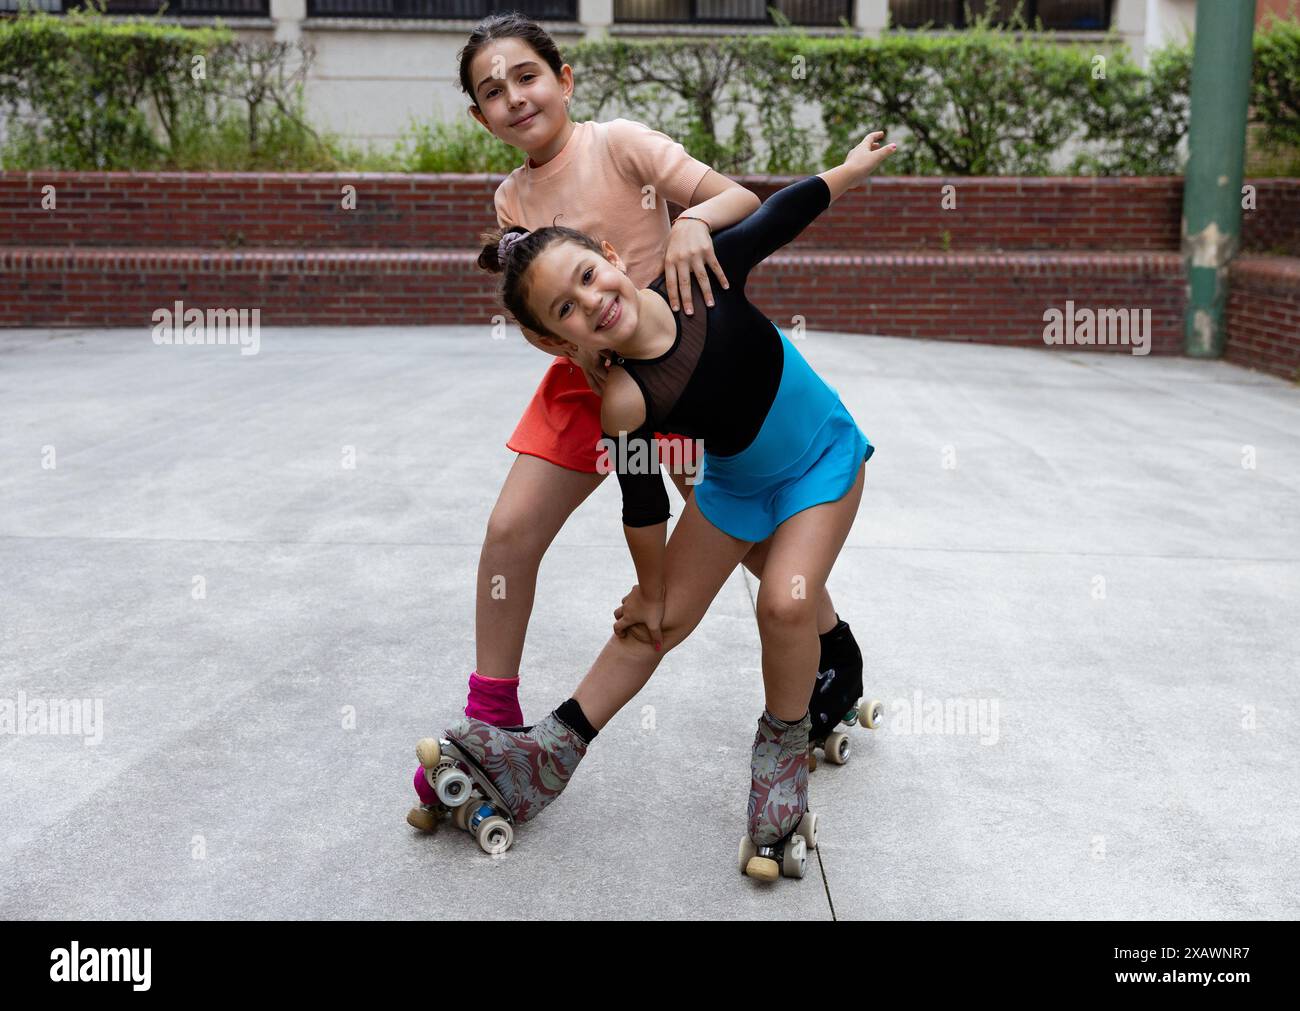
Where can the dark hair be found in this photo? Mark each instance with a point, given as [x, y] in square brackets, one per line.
[508, 25]
[519, 257]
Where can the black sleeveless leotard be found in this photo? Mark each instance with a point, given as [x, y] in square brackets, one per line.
[720, 377]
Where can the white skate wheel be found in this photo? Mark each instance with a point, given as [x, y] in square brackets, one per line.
[837, 748]
[453, 786]
[423, 818]
[873, 715]
[428, 752]
[794, 857]
[495, 835]
[747, 850]
[460, 815]
[808, 829]
[762, 869]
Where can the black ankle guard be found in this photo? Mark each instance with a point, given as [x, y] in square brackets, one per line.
[571, 715]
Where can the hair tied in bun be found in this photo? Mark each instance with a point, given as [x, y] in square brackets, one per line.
[507, 241]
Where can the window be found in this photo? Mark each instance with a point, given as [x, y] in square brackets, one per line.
[542, 10]
[800, 12]
[225, 8]
[1059, 15]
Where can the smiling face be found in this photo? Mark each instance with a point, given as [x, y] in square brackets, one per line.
[572, 290]
[520, 100]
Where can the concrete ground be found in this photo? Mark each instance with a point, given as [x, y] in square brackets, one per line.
[1100, 554]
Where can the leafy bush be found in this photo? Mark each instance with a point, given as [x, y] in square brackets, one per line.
[86, 91]
[1276, 88]
[458, 146]
[985, 101]
[80, 88]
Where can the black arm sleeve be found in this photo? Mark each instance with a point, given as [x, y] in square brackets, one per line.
[636, 462]
[780, 219]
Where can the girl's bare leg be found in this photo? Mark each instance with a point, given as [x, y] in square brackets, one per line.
[798, 562]
[536, 499]
[699, 559]
[826, 617]
[532, 769]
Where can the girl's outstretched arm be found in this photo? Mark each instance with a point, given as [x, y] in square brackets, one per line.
[790, 210]
[858, 164]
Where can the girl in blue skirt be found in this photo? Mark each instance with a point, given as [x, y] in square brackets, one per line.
[783, 460]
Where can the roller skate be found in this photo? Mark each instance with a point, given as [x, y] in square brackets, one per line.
[459, 789]
[781, 830]
[492, 700]
[490, 779]
[837, 698]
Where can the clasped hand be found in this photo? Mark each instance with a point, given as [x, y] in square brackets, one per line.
[641, 616]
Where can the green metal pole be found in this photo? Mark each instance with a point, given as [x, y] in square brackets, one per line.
[1221, 69]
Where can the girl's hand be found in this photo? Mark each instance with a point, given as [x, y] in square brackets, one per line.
[867, 156]
[643, 616]
[690, 250]
[594, 365]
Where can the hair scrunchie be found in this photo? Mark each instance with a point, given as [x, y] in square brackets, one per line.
[507, 241]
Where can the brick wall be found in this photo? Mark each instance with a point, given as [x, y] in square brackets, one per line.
[304, 210]
[1264, 315]
[887, 258]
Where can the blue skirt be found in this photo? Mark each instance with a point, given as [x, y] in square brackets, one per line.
[807, 452]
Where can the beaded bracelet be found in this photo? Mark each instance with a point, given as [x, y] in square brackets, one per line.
[691, 217]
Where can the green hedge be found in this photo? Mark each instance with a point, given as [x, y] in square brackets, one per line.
[79, 89]
[986, 101]
[87, 91]
[90, 92]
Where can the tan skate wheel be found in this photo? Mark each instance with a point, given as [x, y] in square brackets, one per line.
[794, 857]
[747, 851]
[428, 752]
[495, 835]
[873, 715]
[453, 786]
[837, 748]
[460, 815]
[812, 760]
[423, 818]
[762, 869]
[808, 829]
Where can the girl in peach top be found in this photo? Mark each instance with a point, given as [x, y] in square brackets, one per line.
[614, 179]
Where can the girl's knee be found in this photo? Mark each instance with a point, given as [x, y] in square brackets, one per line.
[513, 534]
[780, 613]
[678, 624]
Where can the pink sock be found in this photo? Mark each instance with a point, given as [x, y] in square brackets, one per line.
[426, 793]
[494, 700]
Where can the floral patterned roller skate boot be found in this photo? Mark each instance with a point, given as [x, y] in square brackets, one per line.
[490, 779]
[781, 829]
